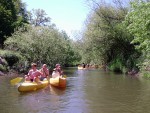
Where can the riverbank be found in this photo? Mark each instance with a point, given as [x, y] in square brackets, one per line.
[1, 73]
[11, 73]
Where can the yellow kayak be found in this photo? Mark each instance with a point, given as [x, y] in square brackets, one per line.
[59, 82]
[32, 86]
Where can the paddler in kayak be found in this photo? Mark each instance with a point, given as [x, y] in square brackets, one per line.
[45, 72]
[57, 71]
[33, 74]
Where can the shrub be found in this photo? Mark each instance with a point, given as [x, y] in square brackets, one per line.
[117, 66]
[146, 74]
[3, 68]
[10, 57]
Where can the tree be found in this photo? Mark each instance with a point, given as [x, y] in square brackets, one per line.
[37, 17]
[138, 24]
[13, 15]
[72, 55]
[42, 44]
[106, 38]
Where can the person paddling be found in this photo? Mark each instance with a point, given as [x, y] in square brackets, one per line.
[45, 72]
[57, 71]
[33, 74]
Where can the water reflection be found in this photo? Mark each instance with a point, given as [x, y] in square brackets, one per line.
[87, 91]
[57, 91]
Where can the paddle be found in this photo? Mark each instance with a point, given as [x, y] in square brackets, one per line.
[16, 80]
[64, 76]
[48, 79]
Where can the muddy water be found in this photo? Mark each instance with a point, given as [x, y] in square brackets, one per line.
[87, 91]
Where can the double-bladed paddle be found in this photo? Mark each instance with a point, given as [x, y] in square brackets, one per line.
[16, 80]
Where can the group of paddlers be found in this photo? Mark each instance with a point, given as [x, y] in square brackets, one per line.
[86, 66]
[39, 75]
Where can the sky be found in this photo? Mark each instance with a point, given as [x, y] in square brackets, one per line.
[67, 15]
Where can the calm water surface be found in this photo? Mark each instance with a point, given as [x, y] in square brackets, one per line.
[87, 91]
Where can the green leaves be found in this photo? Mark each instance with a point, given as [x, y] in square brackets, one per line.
[13, 15]
[106, 39]
[139, 25]
[41, 44]
[38, 17]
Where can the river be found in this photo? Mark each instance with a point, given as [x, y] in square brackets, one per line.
[87, 91]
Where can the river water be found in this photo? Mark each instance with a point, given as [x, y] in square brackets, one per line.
[87, 91]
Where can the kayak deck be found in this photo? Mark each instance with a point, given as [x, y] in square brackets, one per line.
[32, 86]
[58, 82]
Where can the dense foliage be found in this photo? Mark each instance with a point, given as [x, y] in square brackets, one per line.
[107, 40]
[138, 24]
[116, 36]
[38, 17]
[41, 44]
[32, 37]
[12, 15]
[9, 59]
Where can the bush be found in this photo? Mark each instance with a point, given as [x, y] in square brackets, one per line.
[117, 66]
[3, 68]
[41, 44]
[146, 74]
[10, 57]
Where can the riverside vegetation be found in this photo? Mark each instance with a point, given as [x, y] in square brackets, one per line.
[115, 35]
